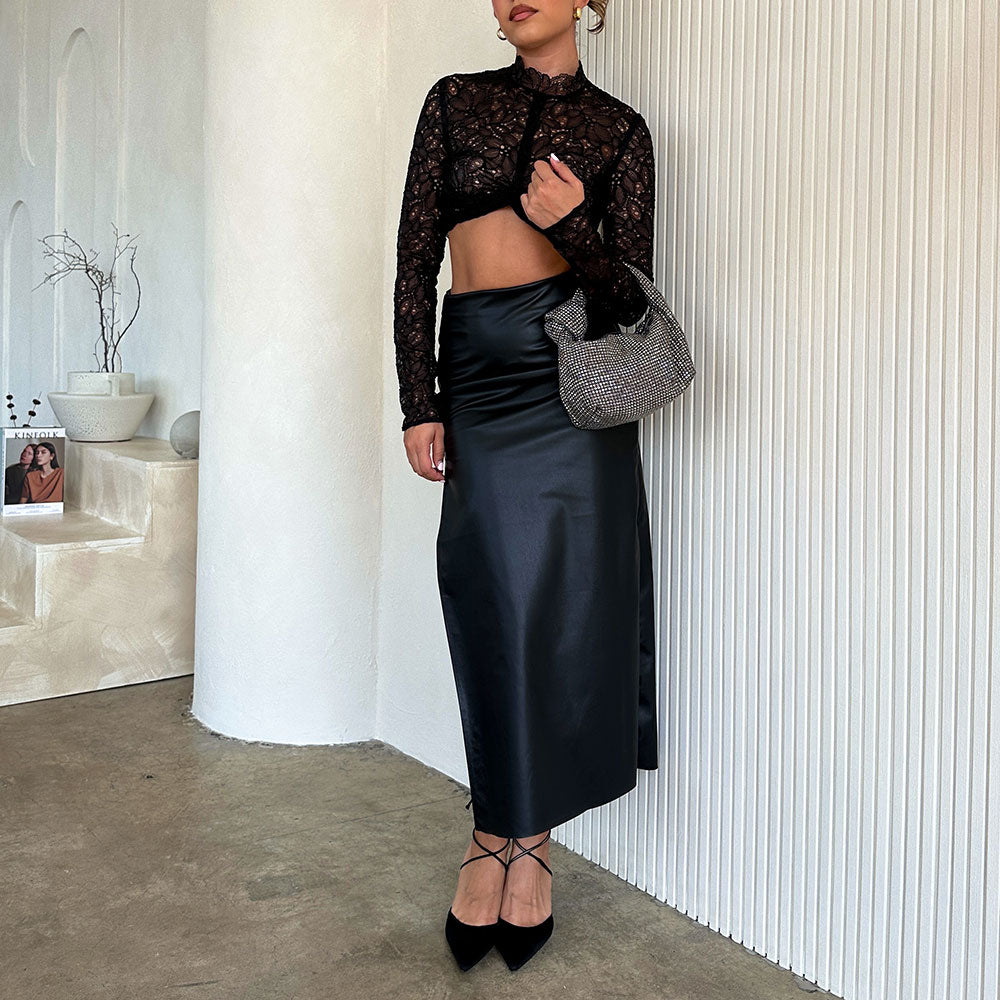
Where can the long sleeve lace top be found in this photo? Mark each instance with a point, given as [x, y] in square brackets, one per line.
[474, 146]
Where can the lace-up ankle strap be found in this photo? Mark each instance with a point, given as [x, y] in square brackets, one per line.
[495, 854]
[528, 850]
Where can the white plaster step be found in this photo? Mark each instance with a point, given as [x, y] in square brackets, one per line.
[12, 620]
[30, 543]
[104, 591]
[71, 529]
[113, 479]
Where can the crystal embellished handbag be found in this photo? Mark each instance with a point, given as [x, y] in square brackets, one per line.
[620, 376]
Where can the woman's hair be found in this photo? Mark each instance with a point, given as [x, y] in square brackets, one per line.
[598, 7]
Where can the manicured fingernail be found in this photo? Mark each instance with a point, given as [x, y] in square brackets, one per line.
[554, 157]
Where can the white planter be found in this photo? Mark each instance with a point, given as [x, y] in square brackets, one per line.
[100, 406]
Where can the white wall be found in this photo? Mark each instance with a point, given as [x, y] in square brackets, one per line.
[100, 122]
[823, 499]
[417, 708]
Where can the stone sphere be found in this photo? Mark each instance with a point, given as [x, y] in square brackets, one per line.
[184, 434]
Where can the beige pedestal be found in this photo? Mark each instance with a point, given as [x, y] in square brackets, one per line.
[102, 594]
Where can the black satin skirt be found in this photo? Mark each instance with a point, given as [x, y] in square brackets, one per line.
[544, 569]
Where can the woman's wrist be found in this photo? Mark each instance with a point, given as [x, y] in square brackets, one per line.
[566, 227]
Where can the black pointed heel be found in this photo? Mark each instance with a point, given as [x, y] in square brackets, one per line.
[516, 943]
[471, 942]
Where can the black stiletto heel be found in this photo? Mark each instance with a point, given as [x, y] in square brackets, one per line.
[516, 943]
[471, 942]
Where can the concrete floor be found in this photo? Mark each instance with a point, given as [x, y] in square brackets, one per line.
[142, 856]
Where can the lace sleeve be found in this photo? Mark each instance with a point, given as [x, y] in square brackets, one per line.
[611, 289]
[420, 244]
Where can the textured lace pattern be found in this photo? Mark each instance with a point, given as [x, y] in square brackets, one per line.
[474, 146]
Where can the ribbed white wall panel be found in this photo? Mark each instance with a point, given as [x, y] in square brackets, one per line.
[824, 498]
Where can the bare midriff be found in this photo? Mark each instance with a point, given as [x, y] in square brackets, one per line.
[497, 250]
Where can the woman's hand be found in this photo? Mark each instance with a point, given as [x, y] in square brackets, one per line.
[554, 191]
[424, 444]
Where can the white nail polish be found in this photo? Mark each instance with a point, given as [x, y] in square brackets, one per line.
[554, 157]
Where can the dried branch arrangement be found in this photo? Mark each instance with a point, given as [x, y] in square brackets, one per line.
[70, 257]
[13, 415]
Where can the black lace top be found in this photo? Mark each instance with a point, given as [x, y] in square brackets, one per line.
[474, 146]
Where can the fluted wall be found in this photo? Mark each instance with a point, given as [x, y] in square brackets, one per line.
[824, 499]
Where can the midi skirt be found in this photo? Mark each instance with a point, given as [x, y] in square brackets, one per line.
[544, 570]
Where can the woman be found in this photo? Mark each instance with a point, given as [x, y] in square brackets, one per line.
[44, 483]
[543, 554]
[14, 474]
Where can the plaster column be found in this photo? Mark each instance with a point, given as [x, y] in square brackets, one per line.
[291, 396]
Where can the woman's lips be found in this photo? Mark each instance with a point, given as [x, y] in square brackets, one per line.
[521, 13]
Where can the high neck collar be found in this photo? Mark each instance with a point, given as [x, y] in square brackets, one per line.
[542, 83]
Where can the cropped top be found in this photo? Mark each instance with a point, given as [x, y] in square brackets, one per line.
[474, 147]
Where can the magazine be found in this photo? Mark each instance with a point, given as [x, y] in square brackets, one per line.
[33, 470]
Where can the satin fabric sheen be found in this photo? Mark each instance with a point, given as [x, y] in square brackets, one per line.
[544, 570]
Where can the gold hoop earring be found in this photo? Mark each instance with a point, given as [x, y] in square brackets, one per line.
[501, 35]
[576, 13]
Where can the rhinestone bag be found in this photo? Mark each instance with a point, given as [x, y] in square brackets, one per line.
[621, 376]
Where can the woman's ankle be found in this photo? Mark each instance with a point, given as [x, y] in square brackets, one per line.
[491, 840]
[534, 842]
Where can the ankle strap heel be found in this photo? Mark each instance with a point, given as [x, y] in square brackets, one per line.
[529, 850]
[516, 943]
[470, 942]
[496, 854]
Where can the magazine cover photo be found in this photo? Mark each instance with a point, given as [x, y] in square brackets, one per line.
[33, 469]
